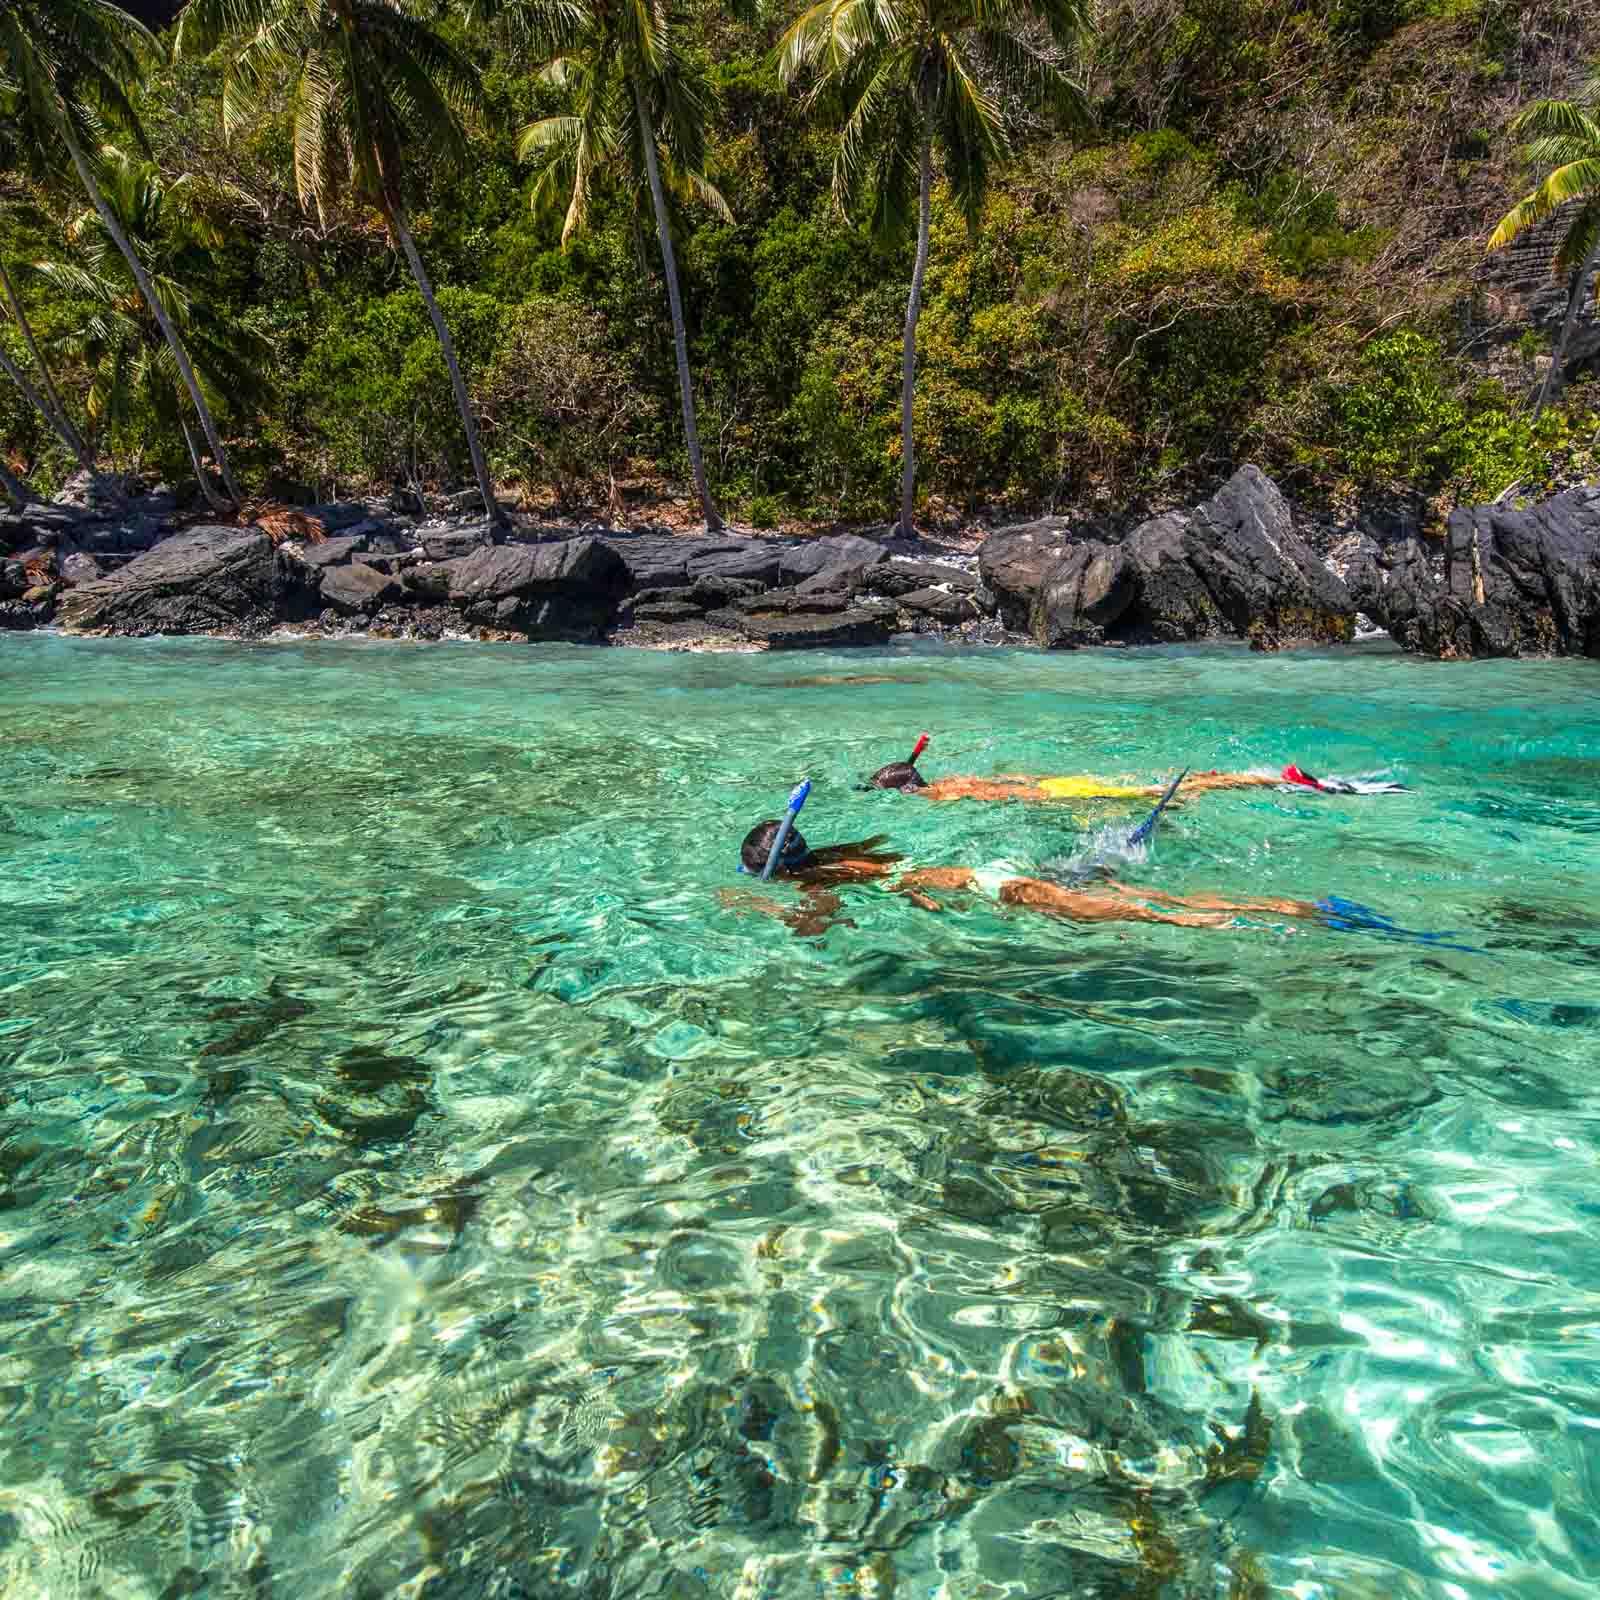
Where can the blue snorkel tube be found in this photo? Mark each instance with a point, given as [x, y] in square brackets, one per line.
[1148, 826]
[796, 800]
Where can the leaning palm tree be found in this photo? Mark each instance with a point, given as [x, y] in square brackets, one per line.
[24, 158]
[638, 109]
[364, 82]
[912, 75]
[120, 343]
[48, 404]
[1566, 138]
[68, 63]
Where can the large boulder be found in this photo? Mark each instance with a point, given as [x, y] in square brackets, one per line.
[1234, 567]
[1511, 582]
[1174, 602]
[1523, 582]
[1012, 563]
[807, 631]
[896, 578]
[811, 556]
[566, 590]
[354, 587]
[661, 561]
[1083, 595]
[1266, 581]
[334, 552]
[207, 580]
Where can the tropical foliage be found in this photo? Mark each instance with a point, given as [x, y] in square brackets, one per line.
[363, 81]
[133, 381]
[1566, 138]
[1265, 242]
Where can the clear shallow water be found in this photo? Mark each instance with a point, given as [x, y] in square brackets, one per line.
[414, 1182]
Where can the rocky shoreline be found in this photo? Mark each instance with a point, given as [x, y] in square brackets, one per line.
[1241, 565]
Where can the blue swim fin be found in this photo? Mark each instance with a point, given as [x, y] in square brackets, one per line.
[1147, 828]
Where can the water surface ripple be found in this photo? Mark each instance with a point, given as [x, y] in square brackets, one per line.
[415, 1182]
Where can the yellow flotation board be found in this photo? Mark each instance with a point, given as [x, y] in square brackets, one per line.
[1081, 788]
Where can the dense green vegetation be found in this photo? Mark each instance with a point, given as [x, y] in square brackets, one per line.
[1266, 241]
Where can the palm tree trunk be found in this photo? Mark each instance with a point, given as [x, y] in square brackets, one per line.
[397, 225]
[16, 490]
[202, 477]
[908, 376]
[59, 418]
[1574, 303]
[153, 300]
[38, 402]
[680, 339]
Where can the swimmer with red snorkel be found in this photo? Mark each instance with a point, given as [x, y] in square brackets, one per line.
[904, 776]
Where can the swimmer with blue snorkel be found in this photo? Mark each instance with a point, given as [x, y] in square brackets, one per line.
[1093, 895]
[777, 849]
[904, 776]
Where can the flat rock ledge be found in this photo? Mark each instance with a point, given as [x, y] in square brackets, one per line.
[1239, 566]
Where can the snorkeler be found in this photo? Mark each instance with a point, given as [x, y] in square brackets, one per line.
[904, 776]
[776, 848]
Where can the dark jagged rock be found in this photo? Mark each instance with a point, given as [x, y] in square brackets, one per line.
[1012, 564]
[756, 561]
[846, 578]
[792, 602]
[394, 562]
[1233, 567]
[942, 605]
[897, 578]
[339, 515]
[334, 552]
[1512, 582]
[1264, 578]
[567, 590]
[718, 589]
[356, 587]
[1174, 602]
[802, 561]
[1083, 595]
[449, 544]
[207, 580]
[129, 535]
[846, 630]
[14, 580]
[667, 611]
[80, 567]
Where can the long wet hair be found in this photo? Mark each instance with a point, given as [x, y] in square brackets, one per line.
[828, 863]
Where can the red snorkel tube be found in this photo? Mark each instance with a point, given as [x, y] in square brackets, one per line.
[917, 749]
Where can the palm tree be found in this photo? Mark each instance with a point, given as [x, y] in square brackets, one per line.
[67, 61]
[1566, 138]
[129, 361]
[364, 81]
[48, 404]
[638, 105]
[17, 153]
[910, 75]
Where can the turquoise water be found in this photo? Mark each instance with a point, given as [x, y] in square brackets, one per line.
[415, 1182]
